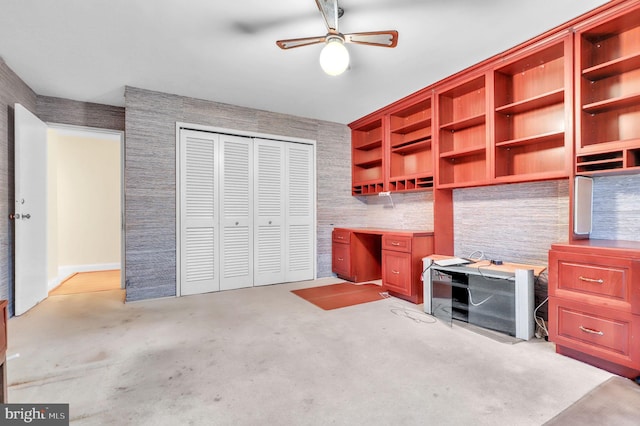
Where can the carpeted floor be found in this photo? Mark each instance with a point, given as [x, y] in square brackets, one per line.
[265, 356]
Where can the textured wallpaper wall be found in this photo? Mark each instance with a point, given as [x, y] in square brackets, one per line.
[616, 208]
[150, 181]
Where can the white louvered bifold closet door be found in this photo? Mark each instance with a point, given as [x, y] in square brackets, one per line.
[198, 212]
[236, 212]
[299, 216]
[269, 196]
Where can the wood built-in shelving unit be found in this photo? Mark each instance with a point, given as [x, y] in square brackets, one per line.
[367, 156]
[608, 94]
[462, 141]
[565, 103]
[532, 125]
[410, 157]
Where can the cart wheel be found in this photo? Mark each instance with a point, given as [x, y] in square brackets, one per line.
[637, 380]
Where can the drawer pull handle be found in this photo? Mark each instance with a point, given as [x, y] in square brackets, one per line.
[340, 259]
[591, 280]
[340, 238]
[395, 243]
[591, 331]
[395, 272]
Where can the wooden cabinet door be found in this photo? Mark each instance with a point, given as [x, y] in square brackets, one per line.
[341, 259]
[396, 271]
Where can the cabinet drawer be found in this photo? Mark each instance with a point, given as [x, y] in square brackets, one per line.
[396, 243]
[341, 259]
[341, 236]
[583, 276]
[606, 334]
[396, 272]
[608, 281]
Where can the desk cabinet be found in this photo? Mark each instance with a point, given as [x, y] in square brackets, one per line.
[395, 256]
[594, 303]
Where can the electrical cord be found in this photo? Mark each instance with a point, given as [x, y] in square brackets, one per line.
[540, 321]
[413, 314]
[478, 303]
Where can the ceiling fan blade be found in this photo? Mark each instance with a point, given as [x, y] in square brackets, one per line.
[329, 10]
[298, 42]
[374, 38]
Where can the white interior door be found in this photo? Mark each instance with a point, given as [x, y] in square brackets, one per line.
[269, 238]
[236, 212]
[198, 212]
[300, 212]
[30, 210]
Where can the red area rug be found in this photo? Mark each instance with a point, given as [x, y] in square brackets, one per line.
[334, 296]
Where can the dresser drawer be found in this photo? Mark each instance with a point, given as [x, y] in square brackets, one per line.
[583, 276]
[396, 243]
[608, 281]
[604, 333]
[341, 236]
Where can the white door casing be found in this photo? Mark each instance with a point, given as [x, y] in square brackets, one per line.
[198, 206]
[30, 157]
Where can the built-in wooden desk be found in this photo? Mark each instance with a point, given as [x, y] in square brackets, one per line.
[393, 255]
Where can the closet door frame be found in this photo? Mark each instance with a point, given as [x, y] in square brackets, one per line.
[212, 129]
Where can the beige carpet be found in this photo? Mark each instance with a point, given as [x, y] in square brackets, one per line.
[264, 356]
[87, 282]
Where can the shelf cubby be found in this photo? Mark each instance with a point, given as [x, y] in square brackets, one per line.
[462, 155]
[530, 140]
[410, 150]
[367, 157]
[608, 93]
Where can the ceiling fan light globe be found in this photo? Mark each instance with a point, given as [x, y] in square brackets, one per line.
[334, 57]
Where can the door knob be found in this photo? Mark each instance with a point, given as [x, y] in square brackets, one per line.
[14, 216]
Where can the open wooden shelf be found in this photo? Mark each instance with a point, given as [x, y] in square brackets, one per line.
[608, 93]
[418, 120]
[612, 103]
[531, 140]
[464, 123]
[614, 67]
[536, 102]
[472, 150]
[419, 145]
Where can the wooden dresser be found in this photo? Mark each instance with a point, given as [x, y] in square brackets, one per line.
[594, 303]
[366, 254]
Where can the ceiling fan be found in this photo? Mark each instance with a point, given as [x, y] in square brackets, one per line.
[334, 57]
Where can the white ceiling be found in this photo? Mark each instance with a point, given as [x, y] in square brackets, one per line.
[225, 51]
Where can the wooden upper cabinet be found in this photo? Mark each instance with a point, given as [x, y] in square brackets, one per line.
[367, 157]
[410, 155]
[463, 132]
[608, 92]
[533, 130]
[391, 148]
[515, 116]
